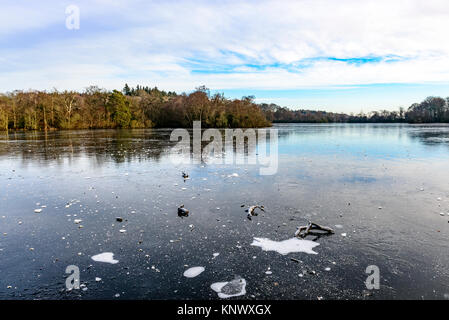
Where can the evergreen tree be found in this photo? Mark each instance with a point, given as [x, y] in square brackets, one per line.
[118, 107]
[127, 90]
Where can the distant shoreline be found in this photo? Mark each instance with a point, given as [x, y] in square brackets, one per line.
[171, 128]
[145, 107]
[359, 122]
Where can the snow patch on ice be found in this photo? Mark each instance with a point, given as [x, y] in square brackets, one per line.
[230, 289]
[193, 272]
[286, 246]
[107, 257]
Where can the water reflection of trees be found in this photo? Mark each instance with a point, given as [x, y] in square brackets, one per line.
[118, 146]
[430, 135]
[136, 145]
[339, 129]
[102, 145]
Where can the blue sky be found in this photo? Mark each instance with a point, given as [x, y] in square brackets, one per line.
[343, 56]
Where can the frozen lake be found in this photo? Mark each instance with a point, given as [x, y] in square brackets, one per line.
[383, 188]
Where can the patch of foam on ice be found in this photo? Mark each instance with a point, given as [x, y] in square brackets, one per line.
[230, 289]
[193, 272]
[286, 246]
[107, 257]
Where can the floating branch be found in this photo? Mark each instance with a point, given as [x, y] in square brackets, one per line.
[303, 231]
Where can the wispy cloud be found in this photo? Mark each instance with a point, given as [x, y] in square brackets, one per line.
[227, 45]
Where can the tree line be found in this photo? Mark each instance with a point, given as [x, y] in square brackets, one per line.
[431, 110]
[146, 107]
[140, 107]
